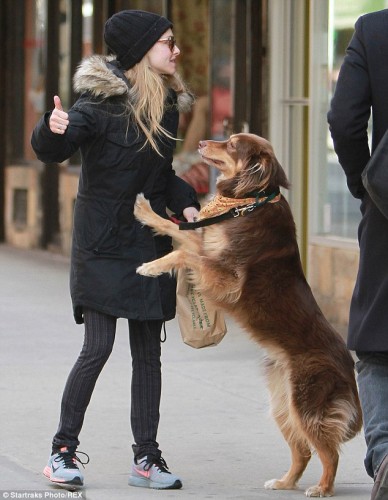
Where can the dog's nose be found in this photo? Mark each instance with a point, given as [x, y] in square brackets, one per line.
[201, 144]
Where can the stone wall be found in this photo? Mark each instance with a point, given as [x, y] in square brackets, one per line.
[332, 271]
[23, 210]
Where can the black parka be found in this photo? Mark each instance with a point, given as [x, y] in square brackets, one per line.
[108, 243]
[362, 88]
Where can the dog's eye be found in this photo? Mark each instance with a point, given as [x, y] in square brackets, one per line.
[232, 145]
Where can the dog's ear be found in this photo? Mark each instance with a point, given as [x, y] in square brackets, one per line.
[278, 176]
[260, 170]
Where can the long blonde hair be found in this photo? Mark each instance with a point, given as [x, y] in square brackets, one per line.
[147, 98]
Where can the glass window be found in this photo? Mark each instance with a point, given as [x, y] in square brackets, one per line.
[35, 56]
[191, 29]
[289, 103]
[337, 212]
[35, 68]
[87, 27]
[221, 125]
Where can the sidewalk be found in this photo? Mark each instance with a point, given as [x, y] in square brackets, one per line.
[215, 431]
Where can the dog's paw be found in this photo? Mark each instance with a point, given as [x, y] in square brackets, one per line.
[278, 484]
[318, 492]
[142, 208]
[148, 269]
[141, 201]
[272, 484]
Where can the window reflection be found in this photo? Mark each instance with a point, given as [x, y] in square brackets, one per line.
[87, 27]
[37, 59]
[341, 214]
[221, 75]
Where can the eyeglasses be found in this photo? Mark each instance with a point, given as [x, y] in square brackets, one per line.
[171, 41]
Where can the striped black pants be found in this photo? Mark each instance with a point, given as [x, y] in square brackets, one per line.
[144, 337]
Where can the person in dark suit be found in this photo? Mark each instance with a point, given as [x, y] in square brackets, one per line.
[361, 90]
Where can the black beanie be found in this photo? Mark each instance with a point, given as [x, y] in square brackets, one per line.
[131, 33]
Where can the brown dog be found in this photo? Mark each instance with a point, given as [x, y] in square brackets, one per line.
[249, 265]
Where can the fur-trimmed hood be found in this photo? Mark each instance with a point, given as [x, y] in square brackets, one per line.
[101, 76]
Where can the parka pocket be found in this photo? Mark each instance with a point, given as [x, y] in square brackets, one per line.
[95, 227]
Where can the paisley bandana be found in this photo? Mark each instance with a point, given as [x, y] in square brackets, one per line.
[221, 204]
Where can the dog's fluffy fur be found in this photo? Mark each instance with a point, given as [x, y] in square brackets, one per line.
[250, 267]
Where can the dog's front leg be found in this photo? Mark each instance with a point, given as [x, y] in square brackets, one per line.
[171, 262]
[167, 264]
[144, 213]
[224, 289]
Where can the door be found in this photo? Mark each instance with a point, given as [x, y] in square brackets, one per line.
[237, 62]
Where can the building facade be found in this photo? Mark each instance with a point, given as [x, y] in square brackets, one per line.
[264, 66]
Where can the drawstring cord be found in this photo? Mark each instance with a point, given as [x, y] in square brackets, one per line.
[163, 333]
[164, 337]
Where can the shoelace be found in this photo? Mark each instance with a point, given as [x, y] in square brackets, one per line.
[160, 463]
[70, 459]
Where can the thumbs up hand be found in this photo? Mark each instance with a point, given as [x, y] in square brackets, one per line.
[59, 119]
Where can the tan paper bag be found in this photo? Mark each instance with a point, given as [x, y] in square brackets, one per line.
[200, 322]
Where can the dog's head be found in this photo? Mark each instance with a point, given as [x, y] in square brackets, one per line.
[247, 164]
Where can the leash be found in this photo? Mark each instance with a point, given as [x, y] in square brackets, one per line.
[233, 212]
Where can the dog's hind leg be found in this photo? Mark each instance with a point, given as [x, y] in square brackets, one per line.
[324, 418]
[300, 456]
[288, 423]
[300, 451]
[329, 458]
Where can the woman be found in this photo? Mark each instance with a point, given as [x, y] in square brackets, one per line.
[125, 124]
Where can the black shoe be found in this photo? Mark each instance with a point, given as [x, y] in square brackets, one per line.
[380, 488]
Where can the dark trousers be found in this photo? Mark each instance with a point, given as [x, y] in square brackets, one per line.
[100, 331]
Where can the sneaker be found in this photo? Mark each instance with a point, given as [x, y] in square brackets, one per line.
[153, 473]
[62, 467]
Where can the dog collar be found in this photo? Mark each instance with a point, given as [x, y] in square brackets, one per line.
[239, 211]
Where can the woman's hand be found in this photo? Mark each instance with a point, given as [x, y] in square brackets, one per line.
[190, 214]
[59, 119]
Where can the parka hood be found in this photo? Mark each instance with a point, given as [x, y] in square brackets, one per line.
[102, 77]
[95, 75]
